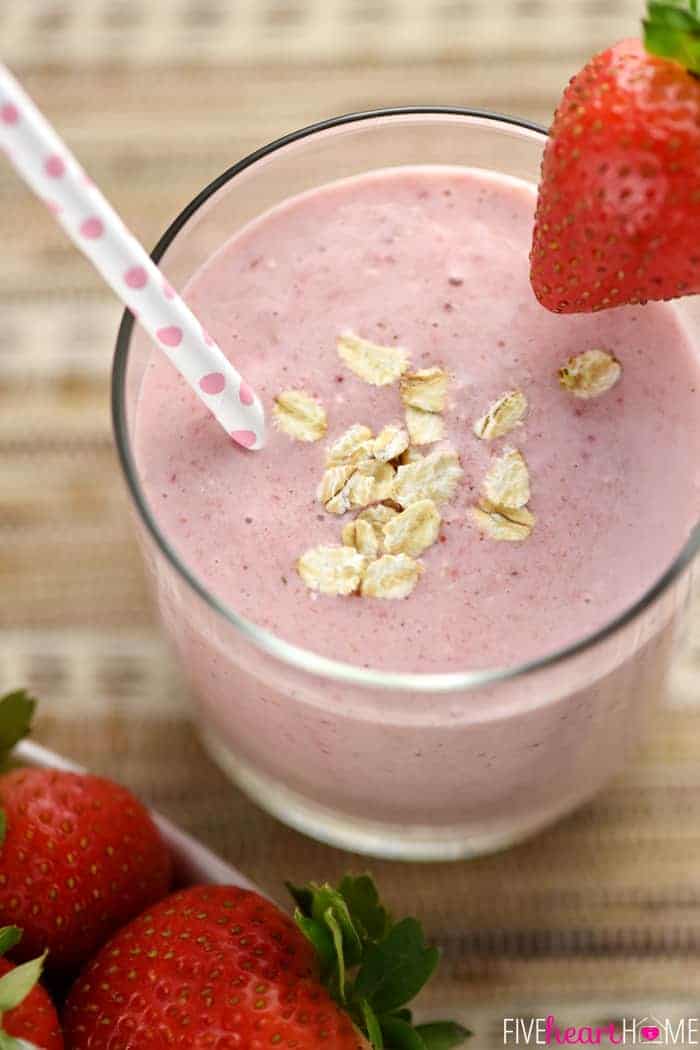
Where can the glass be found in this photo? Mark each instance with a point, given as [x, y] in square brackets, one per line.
[400, 765]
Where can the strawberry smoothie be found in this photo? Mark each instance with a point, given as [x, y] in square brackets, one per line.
[433, 260]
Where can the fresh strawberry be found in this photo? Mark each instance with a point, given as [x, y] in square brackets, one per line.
[79, 855]
[618, 214]
[27, 1016]
[210, 966]
[221, 967]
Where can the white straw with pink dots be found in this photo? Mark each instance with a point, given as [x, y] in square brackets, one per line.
[46, 164]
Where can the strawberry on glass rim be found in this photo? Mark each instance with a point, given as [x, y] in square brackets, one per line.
[618, 212]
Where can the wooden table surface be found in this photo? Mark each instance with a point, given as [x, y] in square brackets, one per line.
[599, 917]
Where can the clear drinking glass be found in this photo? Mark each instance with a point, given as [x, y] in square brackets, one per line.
[392, 764]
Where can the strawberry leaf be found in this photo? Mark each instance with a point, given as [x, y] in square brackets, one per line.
[302, 897]
[327, 903]
[371, 1025]
[442, 1035]
[16, 985]
[672, 30]
[16, 711]
[366, 910]
[370, 966]
[333, 925]
[400, 1035]
[321, 938]
[396, 969]
[325, 907]
[9, 937]
[11, 1042]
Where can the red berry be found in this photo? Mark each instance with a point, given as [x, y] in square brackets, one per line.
[81, 857]
[34, 1019]
[212, 966]
[618, 215]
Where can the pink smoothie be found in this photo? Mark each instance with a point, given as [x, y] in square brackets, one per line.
[434, 260]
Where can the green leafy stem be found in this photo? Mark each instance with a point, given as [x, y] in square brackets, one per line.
[15, 986]
[16, 712]
[672, 30]
[372, 966]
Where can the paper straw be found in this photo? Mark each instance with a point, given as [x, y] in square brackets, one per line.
[43, 160]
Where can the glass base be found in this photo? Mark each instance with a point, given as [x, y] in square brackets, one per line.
[372, 838]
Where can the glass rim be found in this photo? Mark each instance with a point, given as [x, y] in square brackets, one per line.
[297, 656]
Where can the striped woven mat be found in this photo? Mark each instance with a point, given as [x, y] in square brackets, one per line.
[598, 918]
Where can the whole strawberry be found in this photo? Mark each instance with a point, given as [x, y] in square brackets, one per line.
[221, 967]
[618, 214]
[210, 963]
[79, 855]
[27, 1015]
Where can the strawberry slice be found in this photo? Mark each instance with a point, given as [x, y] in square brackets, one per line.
[618, 213]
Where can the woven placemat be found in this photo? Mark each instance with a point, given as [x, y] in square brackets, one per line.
[94, 33]
[596, 919]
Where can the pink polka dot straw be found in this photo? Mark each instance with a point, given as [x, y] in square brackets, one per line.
[46, 164]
